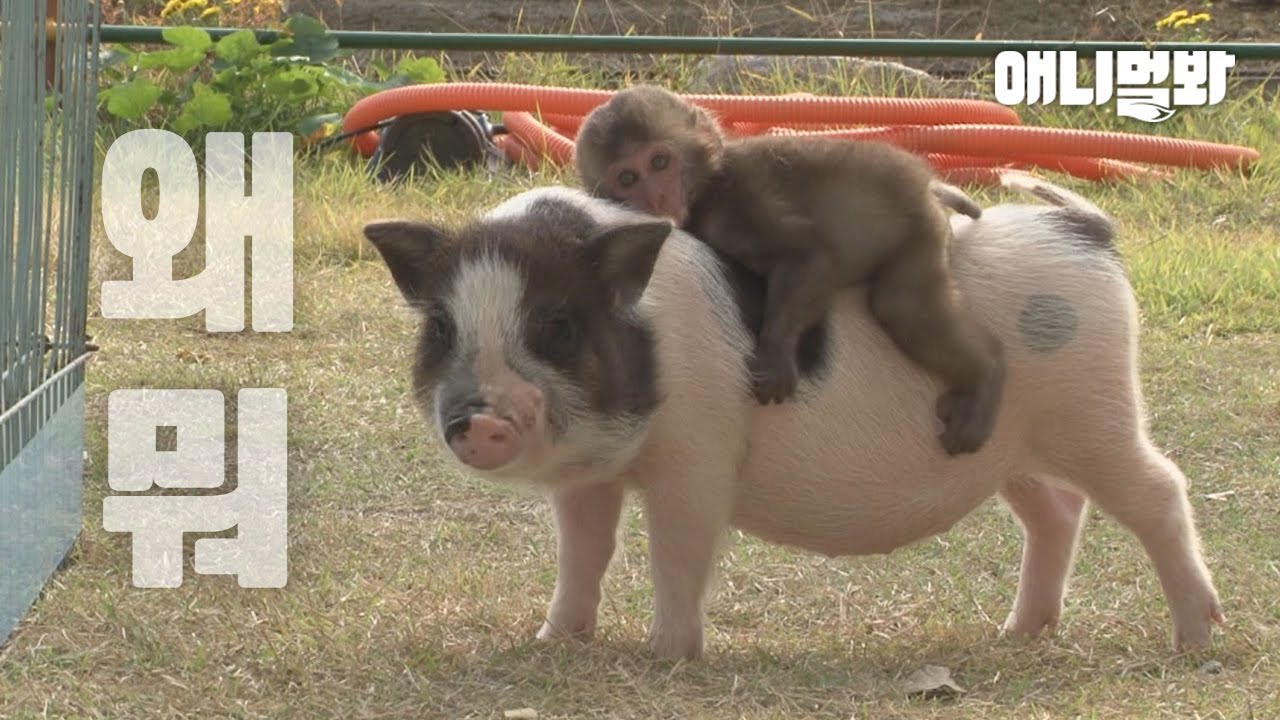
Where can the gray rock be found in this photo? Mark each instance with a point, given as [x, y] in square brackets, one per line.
[828, 75]
[1212, 667]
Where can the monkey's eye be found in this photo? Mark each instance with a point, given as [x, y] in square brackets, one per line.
[660, 161]
[627, 178]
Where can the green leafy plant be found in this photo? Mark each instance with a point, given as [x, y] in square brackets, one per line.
[239, 83]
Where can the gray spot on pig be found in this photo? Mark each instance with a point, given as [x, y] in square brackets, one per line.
[1047, 322]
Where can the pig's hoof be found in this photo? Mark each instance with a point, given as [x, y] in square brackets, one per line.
[676, 646]
[1198, 634]
[577, 631]
[773, 379]
[1030, 626]
[967, 422]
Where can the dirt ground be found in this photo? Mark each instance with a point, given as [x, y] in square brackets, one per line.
[1232, 20]
[1241, 20]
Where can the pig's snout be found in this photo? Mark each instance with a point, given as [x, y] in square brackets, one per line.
[483, 441]
[488, 435]
[458, 419]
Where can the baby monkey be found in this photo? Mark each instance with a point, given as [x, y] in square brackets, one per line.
[811, 215]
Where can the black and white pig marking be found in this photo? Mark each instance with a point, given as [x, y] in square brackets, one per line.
[589, 350]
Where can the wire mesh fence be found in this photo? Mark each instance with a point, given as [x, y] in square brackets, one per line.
[48, 88]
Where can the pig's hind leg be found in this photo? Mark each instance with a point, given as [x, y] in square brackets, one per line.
[586, 530]
[1050, 518]
[1146, 492]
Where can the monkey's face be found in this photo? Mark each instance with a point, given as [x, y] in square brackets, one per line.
[651, 177]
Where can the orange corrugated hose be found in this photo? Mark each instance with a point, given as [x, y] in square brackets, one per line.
[977, 139]
[539, 138]
[768, 109]
[961, 138]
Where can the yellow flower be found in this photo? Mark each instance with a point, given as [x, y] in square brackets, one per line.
[210, 11]
[1198, 17]
[170, 7]
[1172, 18]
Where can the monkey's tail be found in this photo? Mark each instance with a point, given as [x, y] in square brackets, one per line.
[956, 199]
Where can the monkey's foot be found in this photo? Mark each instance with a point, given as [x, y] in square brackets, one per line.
[969, 419]
[967, 425]
[969, 415]
[773, 377]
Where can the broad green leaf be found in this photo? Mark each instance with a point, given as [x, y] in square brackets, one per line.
[307, 126]
[350, 80]
[420, 70]
[178, 59]
[187, 38]
[239, 47]
[209, 107]
[117, 55]
[316, 127]
[292, 85]
[309, 38]
[185, 123]
[131, 100]
[302, 25]
[226, 78]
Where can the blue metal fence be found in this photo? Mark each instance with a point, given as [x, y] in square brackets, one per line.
[48, 88]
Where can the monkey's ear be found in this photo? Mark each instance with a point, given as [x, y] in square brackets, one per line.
[407, 247]
[623, 256]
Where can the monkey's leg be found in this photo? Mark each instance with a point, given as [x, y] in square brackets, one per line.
[913, 298]
[798, 294]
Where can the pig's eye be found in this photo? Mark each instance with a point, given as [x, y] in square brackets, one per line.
[439, 330]
[627, 178]
[554, 335]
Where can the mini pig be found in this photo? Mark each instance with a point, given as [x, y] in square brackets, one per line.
[591, 350]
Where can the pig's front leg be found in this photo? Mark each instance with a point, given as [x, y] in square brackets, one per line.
[688, 512]
[586, 528]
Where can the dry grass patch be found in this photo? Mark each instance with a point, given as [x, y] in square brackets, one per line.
[415, 590]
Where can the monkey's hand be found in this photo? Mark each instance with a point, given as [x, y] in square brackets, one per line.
[773, 374]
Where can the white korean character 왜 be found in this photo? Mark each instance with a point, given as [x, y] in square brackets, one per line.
[265, 214]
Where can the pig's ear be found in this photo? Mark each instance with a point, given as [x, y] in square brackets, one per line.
[623, 257]
[408, 248]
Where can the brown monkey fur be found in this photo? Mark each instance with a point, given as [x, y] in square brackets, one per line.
[811, 215]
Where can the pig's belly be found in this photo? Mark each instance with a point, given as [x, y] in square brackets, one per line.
[857, 469]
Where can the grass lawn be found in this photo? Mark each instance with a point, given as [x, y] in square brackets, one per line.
[414, 590]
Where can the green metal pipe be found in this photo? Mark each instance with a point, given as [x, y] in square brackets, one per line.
[681, 45]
